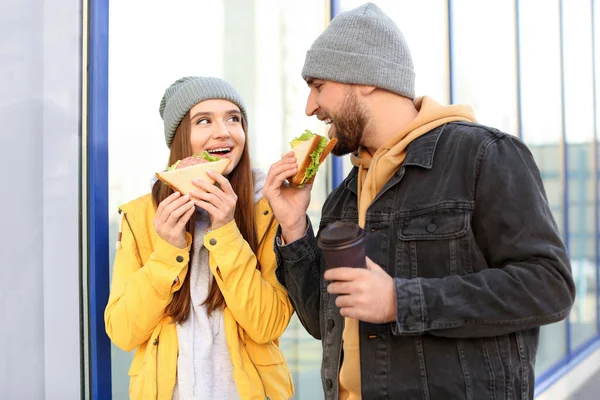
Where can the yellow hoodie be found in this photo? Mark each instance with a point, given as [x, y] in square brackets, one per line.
[373, 172]
[257, 313]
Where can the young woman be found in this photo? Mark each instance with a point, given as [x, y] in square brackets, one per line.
[194, 289]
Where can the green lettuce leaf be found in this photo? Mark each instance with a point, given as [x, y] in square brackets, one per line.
[206, 155]
[314, 164]
[172, 167]
[305, 136]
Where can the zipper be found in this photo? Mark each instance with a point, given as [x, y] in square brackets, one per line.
[257, 373]
[264, 236]
[139, 257]
[137, 249]
[155, 343]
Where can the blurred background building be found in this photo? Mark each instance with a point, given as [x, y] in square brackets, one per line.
[80, 85]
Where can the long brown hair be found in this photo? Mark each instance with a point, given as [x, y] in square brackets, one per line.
[242, 182]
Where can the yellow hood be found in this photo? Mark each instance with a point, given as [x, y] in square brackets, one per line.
[376, 170]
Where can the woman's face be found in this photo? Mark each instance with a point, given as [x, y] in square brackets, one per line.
[216, 127]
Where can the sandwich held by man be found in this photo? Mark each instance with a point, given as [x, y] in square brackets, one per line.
[310, 151]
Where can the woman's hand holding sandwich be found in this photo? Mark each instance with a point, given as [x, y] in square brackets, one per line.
[219, 201]
[171, 216]
[288, 204]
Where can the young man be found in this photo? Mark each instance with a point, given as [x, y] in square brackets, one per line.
[464, 259]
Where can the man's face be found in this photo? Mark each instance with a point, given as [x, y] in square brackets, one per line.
[338, 105]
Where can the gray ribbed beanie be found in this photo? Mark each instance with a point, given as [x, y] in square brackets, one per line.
[185, 93]
[363, 46]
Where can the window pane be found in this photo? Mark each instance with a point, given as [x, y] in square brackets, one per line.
[258, 46]
[579, 122]
[484, 62]
[542, 128]
[429, 52]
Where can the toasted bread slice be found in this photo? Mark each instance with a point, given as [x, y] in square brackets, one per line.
[302, 153]
[181, 179]
[324, 155]
[330, 145]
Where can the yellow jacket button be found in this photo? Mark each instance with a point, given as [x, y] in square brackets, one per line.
[179, 258]
[212, 241]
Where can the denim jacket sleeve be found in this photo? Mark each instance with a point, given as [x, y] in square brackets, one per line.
[298, 269]
[527, 282]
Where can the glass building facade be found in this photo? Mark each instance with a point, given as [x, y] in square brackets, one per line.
[528, 67]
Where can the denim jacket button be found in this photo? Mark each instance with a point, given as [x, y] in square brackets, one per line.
[330, 324]
[431, 227]
[329, 384]
[410, 321]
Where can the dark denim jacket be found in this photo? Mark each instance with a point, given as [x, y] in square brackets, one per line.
[465, 229]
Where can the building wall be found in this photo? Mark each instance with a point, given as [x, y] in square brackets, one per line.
[40, 203]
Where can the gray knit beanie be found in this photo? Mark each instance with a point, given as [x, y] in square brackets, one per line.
[363, 46]
[185, 93]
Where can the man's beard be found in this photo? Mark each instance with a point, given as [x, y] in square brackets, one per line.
[350, 123]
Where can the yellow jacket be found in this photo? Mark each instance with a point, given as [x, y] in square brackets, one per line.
[257, 313]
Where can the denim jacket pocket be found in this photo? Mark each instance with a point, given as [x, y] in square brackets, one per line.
[435, 242]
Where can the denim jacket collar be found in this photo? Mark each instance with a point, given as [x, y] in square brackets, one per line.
[419, 153]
